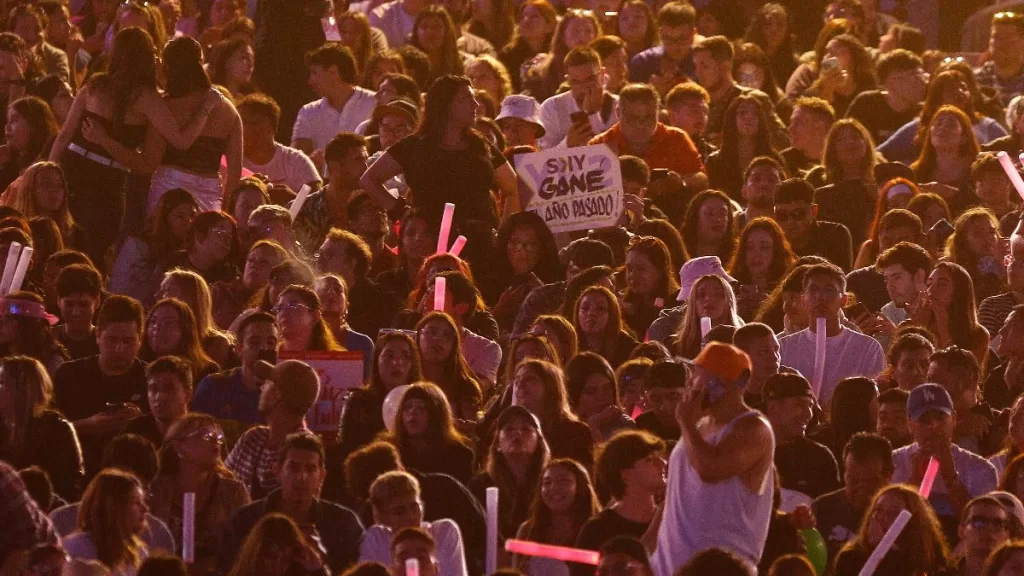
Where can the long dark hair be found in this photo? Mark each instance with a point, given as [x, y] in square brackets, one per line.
[322, 337]
[183, 62]
[963, 314]
[548, 268]
[34, 337]
[375, 384]
[190, 346]
[42, 128]
[459, 384]
[131, 69]
[933, 101]
[440, 421]
[730, 136]
[158, 230]
[658, 253]
[755, 31]
[691, 223]
[501, 474]
[584, 505]
[437, 109]
[450, 59]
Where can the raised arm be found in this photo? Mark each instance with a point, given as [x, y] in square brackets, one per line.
[74, 120]
[179, 134]
[748, 444]
[372, 181]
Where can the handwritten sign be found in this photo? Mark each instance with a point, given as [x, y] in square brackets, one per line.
[573, 188]
[339, 373]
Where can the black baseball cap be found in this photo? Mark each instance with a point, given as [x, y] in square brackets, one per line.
[782, 386]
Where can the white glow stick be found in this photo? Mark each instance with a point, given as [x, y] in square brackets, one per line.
[1011, 172]
[819, 354]
[457, 247]
[412, 567]
[491, 562]
[12, 264]
[446, 227]
[439, 288]
[300, 199]
[929, 477]
[188, 528]
[24, 260]
[705, 326]
[885, 544]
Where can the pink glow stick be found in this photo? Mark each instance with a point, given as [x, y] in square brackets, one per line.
[885, 544]
[659, 302]
[412, 567]
[1011, 172]
[457, 247]
[705, 327]
[446, 227]
[638, 409]
[562, 553]
[819, 354]
[929, 478]
[439, 288]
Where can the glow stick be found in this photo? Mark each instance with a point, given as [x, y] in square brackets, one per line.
[300, 199]
[705, 327]
[224, 166]
[12, 263]
[885, 544]
[562, 553]
[819, 354]
[457, 247]
[929, 478]
[19, 273]
[439, 288]
[412, 567]
[188, 528]
[491, 563]
[446, 227]
[638, 409]
[1011, 172]
[659, 302]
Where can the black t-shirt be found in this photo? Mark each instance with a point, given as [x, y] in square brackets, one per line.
[807, 467]
[77, 349]
[81, 390]
[849, 203]
[649, 421]
[831, 241]
[868, 285]
[837, 521]
[797, 163]
[871, 110]
[601, 528]
[462, 177]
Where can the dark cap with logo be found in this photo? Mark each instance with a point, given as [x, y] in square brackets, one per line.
[928, 397]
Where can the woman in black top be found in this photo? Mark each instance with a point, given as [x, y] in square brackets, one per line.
[32, 434]
[425, 435]
[446, 160]
[123, 101]
[526, 258]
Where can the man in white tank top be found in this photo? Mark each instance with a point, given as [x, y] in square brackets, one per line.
[721, 475]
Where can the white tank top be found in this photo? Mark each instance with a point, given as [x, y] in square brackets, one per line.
[699, 515]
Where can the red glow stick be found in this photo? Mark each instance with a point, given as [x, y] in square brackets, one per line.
[562, 553]
[929, 478]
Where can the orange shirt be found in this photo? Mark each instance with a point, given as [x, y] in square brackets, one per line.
[670, 148]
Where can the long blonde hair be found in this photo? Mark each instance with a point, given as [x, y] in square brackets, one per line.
[688, 339]
[103, 514]
[25, 199]
[197, 297]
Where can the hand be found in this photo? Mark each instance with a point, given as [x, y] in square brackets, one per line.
[74, 44]
[592, 99]
[834, 80]
[112, 421]
[632, 210]
[802, 518]
[579, 134]
[689, 409]
[606, 416]
[94, 132]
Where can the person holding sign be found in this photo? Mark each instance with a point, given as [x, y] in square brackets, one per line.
[639, 133]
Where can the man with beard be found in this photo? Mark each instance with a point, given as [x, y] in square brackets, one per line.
[760, 182]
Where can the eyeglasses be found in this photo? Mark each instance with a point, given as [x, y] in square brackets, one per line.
[794, 214]
[531, 247]
[982, 522]
[289, 307]
[211, 436]
[828, 293]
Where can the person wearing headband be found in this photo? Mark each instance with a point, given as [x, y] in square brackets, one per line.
[25, 329]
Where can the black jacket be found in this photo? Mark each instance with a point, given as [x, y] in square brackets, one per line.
[50, 442]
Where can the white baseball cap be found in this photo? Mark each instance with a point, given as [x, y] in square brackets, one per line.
[694, 268]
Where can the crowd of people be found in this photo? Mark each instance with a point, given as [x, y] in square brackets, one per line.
[813, 297]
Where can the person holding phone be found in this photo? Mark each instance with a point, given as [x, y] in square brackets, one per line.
[573, 117]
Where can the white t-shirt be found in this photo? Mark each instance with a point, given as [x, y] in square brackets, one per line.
[393, 21]
[976, 474]
[451, 561]
[319, 121]
[847, 354]
[289, 166]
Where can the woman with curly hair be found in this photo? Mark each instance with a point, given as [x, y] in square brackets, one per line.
[487, 73]
[42, 191]
[762, 259]
[746, 135]
[948, 149]
[977, 246]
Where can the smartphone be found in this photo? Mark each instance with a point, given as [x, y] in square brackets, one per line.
[579, 117]
[116, 405]
[830, 64]
[268, 356]
[855, 311]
